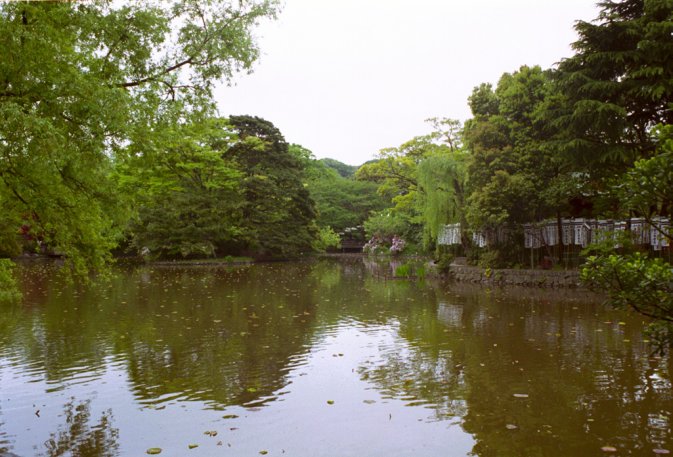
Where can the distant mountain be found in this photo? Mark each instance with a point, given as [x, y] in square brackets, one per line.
[347, 171]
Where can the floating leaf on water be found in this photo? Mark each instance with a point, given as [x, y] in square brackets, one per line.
[661, 451]
[154, 450]
[511, 427]
[192, 446]
[521, 395]
[330, 402]
[263, 452]
[609, 449]
[210, 432]
[230, 416]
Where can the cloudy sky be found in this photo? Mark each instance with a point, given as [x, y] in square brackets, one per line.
[346, 78]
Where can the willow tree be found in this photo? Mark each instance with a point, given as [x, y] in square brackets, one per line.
[396, 172]
[82, 81]
[442, 179]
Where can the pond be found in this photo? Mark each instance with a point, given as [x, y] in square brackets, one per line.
[322, 358]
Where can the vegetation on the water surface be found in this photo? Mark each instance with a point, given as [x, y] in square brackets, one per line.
[111, 143]
[227, 260]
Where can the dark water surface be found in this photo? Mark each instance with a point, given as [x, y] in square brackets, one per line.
[318, 359]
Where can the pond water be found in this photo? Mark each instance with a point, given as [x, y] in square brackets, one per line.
[322, 358]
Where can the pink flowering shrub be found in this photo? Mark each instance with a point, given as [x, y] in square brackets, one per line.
[397, 245]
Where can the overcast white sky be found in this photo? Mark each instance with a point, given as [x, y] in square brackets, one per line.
[346, 78]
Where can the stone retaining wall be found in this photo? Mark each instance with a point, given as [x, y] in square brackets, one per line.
[537, 278]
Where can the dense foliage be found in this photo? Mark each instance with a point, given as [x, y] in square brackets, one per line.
[342, 202]
[590, 138]
[110, 138]
[408, 190]
[632, 278]
[82, 85]
[187, 194]
[278, 212]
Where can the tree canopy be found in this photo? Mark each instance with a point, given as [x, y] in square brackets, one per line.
[278, 212]
[619, 84]
[110, 135]
[80, 82]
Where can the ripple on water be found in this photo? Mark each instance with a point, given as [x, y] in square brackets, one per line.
[77, 375]
[5, 440]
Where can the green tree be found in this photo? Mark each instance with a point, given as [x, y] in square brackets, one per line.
[343, 202]
[442, 178]
[619, 85]
[9, 291]
[396, 173]
[516, 175]
[278, 212]
[327, 238]
[505, 140]
[81, 81]
[187, 193]
[634, 279]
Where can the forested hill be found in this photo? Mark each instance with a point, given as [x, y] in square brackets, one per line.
[346, 171]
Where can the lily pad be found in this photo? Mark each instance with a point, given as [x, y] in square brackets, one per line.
[154, 450]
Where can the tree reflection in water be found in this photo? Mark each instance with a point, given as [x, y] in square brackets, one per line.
[5, 442]
[522, 372]
[78, 438]
[526, 376]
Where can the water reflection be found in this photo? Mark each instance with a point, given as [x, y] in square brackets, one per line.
[410, 367]
[78, 438]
